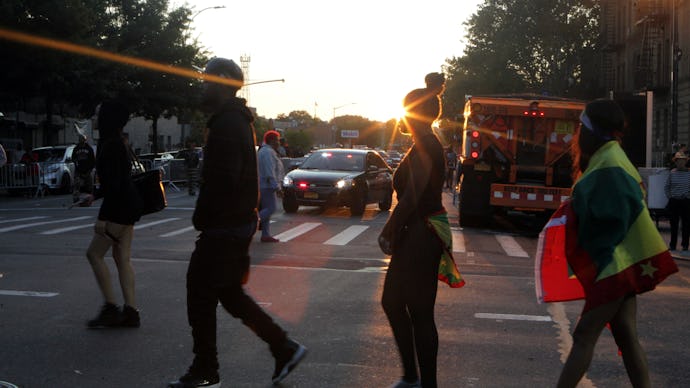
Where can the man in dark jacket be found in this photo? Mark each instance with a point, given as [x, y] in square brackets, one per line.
[226, 216]
[84, 162]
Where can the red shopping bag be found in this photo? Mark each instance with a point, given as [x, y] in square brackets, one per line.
[554, 280]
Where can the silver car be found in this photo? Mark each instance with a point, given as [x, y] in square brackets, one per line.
[56, 168]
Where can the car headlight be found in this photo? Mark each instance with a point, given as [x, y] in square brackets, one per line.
[344, 183]
[52, 169]
[287, 181]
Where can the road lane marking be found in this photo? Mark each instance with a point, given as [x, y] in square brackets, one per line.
[23, 219]
[297, 231]
[66, 229]
[31, 225]
[163, 221]
[514, 317]
[511, 247]
[177, 232]
[565, 339]
[347, 235]
[458, 240]
[36, 294]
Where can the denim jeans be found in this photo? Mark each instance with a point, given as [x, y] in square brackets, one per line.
[268, 207]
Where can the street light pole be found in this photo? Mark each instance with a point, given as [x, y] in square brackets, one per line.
[334, 128]
[204, 9]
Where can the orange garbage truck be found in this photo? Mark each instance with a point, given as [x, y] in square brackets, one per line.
[515, 155]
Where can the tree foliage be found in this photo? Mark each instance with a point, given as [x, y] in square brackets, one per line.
[537, 46]
[137, 28]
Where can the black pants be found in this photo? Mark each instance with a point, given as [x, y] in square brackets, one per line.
[216, 271]
[409, 296]
[679, 211]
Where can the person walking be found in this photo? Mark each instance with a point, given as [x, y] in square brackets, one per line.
[271, 174]
[121, 208]
[677, 189]
[191, 164]
[226, 217]
[84, 163]
[409, 290]
[451, 164]
[612, 244]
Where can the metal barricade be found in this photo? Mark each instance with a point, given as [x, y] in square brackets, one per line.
[22, 178]
[172, 172]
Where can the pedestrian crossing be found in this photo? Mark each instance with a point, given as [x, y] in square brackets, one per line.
[328, 234]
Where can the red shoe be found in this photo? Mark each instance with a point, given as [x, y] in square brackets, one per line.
[269, 239]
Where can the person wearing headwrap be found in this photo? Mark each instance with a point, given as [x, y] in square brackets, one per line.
[612, 244]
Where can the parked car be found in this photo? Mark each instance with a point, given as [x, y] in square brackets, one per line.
[394, 158]
[56, 167]
[339, 177]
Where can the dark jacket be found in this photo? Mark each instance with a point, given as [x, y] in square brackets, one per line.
[121, 202]
[229, 190]
[83, 158]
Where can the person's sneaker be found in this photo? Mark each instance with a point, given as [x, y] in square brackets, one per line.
[109, 316]
[287, 358]
[191, 380]
[130, 317]
[405, 384]
[269, 239]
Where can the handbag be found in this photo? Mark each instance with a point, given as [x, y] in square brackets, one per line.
[151, 191]
[554, 279]
[149, 187]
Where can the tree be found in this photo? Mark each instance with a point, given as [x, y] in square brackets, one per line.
[149, 31]
[53, 77]
[537, 46]
[74, 84]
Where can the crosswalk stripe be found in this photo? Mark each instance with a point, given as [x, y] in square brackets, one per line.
[347, 235]
[177, 232]
[23, 219]
[163, 221]
[297, 231]
[458, 241]
[67, 229]
[511, 247]
[31, 225]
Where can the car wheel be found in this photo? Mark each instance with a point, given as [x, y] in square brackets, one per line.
[385, 205]
[290, 203]
[358, 204]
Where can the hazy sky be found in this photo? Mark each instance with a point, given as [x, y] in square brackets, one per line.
[333, 53]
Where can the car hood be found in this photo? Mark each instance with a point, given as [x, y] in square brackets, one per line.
[317, 176]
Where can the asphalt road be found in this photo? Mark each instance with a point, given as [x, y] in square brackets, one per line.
[322, 283]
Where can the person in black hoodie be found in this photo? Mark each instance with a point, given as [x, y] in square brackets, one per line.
[226, 217]
[84, 162]
[121, 208]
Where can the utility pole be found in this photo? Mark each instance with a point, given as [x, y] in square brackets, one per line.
[244, 60]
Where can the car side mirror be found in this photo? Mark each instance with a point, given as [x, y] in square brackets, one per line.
[373, 167]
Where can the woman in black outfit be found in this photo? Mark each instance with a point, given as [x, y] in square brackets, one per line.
[121, 208]
[409, 291]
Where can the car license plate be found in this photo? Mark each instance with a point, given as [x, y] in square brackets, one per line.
[482, 167]
[311, 195]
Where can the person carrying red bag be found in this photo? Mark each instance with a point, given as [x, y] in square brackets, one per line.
[612, 244]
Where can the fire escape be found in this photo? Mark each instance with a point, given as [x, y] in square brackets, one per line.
[650, 61]
[610, 44]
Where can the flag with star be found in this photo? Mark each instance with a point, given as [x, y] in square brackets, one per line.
[612, 244]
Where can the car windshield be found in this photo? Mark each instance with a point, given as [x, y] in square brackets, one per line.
[341, 161]
[50, 154]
